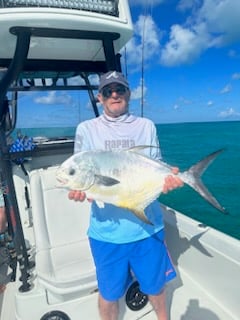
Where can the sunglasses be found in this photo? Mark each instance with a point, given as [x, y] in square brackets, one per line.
[107, 91]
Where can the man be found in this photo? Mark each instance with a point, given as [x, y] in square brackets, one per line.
[121, 243]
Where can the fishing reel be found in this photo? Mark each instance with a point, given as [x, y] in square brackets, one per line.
[6, 240]
[8, 253]
[55, 315]
[135, 299]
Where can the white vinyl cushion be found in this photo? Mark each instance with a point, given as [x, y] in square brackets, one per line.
[63, 259]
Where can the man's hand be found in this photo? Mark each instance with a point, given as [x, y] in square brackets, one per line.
[172, 182]
[77, 196]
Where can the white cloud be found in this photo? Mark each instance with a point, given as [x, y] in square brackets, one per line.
[184, 5]
[145, 28]
[94, 79]
[184, 46]
[233, 54]
[52, 98]
[75, 81]
[78, 80]
[236, 76]
[228, 113]
[222, 20]
[226, 89]
[211, 23]
[138, 91]
[210, 103]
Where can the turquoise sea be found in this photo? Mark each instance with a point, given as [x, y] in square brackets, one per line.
[182, 145]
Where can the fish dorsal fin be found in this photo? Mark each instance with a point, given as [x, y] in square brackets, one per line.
[139, 149]
[105, 181]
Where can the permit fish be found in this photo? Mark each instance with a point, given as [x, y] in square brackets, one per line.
[127, 178]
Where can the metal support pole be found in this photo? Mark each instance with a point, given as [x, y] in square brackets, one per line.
[17, 64]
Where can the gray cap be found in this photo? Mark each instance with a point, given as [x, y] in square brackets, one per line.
[112, 77]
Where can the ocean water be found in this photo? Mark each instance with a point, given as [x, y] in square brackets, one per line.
[184, 144]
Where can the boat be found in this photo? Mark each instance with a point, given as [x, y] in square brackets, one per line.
[45, 257]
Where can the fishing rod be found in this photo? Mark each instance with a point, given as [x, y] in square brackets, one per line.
[148, 6]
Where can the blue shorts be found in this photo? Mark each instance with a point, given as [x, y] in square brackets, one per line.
[148, 260]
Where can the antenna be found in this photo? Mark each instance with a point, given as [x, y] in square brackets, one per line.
[142, 69]
[125, 58]
[143, 54]
[142, 66]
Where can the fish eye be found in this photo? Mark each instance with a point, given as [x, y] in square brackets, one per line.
[71, 171]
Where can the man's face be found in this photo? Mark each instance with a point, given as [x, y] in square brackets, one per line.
[114, 98]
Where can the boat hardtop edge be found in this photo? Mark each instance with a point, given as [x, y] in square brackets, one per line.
[63, 19]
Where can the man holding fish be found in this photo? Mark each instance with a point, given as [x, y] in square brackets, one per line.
[123, 243]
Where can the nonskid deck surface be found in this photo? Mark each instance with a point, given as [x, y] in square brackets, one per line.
[186, 301]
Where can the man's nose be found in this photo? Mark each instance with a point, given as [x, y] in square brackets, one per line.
[114, 93]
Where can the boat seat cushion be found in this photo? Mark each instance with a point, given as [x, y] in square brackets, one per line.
[63, 259]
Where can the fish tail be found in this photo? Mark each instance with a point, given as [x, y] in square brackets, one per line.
[192, 177]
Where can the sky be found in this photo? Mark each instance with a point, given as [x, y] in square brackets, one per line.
[190, 53]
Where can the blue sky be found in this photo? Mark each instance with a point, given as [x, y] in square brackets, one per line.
[191, 64]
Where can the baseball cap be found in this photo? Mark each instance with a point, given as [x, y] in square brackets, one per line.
[112, 77]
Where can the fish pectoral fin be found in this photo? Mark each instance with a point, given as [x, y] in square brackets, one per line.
[105, 181]
[141, 215]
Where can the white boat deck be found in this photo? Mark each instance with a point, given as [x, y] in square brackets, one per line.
[186, 301]
[191, 302]
[208, 264]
